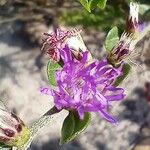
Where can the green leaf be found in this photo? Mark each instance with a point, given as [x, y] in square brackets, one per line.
[143, 8]
[81, 125]
[4, 147]
[112, 39]
[101, 4]
[73, 126]
[67, 128]
[126, 70]
[52, 67]
[85, 4]
[93, 4]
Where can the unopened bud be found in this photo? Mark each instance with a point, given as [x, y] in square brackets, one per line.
[55, 42]
[133, 21]
[13, 132]
[122, 50]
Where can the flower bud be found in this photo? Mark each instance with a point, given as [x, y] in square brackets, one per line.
[132, 21]
[13, 132]
[55, 42]
[122, 50]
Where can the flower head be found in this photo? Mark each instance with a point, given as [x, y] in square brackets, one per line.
[54, 42]
[133, 22]
[122, 50]
[13, 132]
[85, 87]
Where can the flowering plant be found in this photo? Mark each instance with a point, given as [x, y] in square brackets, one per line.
[79, 83]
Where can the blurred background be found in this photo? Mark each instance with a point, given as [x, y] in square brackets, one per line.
[23, 71]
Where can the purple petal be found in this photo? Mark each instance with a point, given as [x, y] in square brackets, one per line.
[66, 54]
[81, 113]
[46, 90]
[108, 117]
[115, 97]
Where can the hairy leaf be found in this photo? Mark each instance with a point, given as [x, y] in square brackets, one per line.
[126, 70]
[73, 126]
[85, 4]
[101, 4]
[112, 39]
[92, 4]
[4, 147]
[143, 8]
[52, 67]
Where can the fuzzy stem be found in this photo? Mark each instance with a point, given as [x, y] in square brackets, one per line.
[38, 125]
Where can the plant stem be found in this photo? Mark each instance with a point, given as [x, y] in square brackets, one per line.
[38, 125]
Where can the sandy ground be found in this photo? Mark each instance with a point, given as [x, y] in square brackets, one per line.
[22, 73]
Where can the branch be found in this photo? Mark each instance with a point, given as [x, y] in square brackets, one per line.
[38, 125]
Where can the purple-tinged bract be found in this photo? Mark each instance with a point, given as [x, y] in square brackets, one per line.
[122, 50]
[133, 21]
[54, 42]
[13, 132]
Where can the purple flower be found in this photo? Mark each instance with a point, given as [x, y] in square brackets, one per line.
[53, 43]
[86, 87]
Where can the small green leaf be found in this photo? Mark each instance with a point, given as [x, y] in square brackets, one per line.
[143, 8]
[73, 126]
[4, 147]
[102, 3]
[52, 67]
[80, 125]
[126, 70]
[85, 4]
[67, 128]
[112, 39]
[93, 4]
